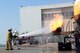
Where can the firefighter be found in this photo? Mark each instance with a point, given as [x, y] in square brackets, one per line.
[77, 19]
[16, 40]
[77, 11]
[9, 39]
[14, 37]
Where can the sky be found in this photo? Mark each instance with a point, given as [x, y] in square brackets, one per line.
[10, 13]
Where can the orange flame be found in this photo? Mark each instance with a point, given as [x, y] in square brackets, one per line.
[56, 22]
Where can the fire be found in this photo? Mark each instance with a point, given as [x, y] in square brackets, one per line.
[56, 22]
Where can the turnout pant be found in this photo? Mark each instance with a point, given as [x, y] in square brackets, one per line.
[8, 45]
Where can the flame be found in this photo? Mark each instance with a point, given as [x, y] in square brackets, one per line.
[56, 22]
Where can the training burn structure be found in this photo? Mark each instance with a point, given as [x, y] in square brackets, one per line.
[33, 18]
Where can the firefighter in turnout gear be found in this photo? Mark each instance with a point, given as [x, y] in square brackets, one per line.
[77, 19]
[9, 39]
[77, 11]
